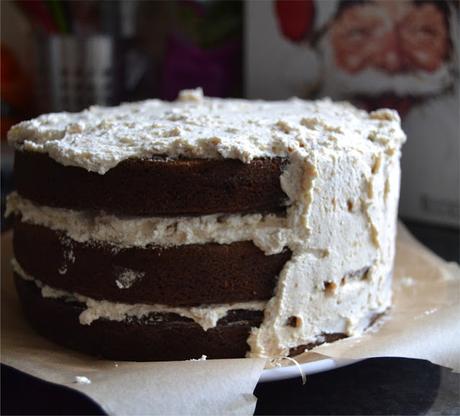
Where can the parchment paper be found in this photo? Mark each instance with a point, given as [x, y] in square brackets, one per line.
[423, 323]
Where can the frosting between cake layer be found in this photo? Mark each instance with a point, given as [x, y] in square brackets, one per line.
[206, 316]
[268, 232]
[342, 181]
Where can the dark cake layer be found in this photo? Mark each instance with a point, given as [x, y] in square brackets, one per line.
[156, 186]
[179, 276]
[163, 337]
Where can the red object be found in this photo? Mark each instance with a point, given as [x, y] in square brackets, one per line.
[295, 18]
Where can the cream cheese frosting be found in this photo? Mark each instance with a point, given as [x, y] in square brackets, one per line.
[268, 232]
[99, 138]
[342, 181]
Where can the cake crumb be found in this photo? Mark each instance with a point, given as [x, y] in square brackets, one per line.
[202, 358]
[175, 132]
[310, 122]
[191, 95]
[384, 115]
[407, 281]
[82, 380]
[284, 126]
[127, 277]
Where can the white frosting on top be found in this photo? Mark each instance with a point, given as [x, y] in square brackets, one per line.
[342, 181]
[99, 138]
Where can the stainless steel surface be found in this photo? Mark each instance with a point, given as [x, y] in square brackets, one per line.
[75, 72]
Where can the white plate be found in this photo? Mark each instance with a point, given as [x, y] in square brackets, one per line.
[313, 367]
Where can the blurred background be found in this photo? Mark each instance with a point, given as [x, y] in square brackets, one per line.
[61, 55]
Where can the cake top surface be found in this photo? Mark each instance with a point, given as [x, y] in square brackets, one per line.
[99, 138]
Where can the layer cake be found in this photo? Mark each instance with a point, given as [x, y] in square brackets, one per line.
[229, 228]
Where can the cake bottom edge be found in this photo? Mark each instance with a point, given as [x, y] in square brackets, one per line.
[162, 337]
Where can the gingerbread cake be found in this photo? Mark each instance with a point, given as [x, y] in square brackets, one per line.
[226, 228]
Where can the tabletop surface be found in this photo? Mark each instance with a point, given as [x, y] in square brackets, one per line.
[379, 386]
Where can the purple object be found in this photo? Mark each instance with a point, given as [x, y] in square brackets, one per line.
[217, 70]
